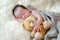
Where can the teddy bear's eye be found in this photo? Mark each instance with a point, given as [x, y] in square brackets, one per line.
[32, 21]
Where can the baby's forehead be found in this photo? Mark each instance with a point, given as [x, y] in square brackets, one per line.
[18, 9]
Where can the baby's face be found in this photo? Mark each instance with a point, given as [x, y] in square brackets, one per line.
[21, 13]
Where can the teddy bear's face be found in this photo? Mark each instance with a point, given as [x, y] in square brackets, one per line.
[32, 23]
[29, 23]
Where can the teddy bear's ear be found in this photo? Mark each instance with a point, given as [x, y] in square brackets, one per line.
[39, 36]
[32, 34]
[46, 25]
[22, 25]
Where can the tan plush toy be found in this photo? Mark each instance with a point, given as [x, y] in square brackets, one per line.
[29, 25]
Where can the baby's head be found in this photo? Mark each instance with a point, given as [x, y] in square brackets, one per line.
[21, 12]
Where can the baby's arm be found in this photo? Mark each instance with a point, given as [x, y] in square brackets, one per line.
[39, 19]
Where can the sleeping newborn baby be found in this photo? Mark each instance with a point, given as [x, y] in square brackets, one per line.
[37, 21]
[21, 13]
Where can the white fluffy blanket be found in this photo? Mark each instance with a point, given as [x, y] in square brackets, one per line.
[10, 29]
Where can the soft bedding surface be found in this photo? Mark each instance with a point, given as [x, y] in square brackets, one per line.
[10, 29]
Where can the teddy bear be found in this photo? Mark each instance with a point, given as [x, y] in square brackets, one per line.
[29, 24]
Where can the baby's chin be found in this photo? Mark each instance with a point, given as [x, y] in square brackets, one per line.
[20, 19]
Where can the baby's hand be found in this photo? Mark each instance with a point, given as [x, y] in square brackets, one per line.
[36, 27]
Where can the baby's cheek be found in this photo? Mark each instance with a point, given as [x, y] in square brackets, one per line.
[25, 16]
